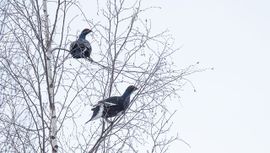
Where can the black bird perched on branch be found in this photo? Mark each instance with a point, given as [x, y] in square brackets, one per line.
[112, 106]
[81, 48]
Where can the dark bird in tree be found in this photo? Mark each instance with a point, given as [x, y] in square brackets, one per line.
[81, 48]
[112, 106]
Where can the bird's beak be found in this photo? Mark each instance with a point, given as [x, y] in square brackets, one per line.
[89, 31]
[135, 88]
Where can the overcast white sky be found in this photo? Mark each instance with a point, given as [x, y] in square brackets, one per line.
[230, 112]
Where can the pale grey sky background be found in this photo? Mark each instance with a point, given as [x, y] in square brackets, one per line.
[230, 112]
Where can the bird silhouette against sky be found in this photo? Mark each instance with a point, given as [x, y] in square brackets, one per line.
[81, 48]
[112, 106]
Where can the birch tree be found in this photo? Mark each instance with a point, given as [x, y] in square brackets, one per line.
[46, 95]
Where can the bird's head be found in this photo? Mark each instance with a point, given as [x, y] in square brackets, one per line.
[131, 89]
[86, 31]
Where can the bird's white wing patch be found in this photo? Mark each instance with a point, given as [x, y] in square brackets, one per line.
[110, 104]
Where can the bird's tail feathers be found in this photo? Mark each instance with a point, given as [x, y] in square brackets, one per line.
[97, 113]
[88, 121]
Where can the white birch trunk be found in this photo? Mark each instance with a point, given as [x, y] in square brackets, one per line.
[50, 83]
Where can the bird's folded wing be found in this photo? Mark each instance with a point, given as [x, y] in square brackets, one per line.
[86, 43]
[111, 101]
[109, 104]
